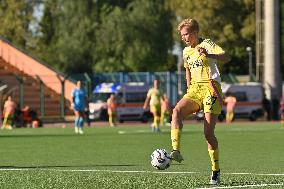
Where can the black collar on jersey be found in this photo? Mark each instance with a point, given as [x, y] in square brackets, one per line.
[200, 40]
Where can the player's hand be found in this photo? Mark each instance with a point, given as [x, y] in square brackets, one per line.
[202, 50]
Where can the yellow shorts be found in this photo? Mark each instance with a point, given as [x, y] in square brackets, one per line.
[9, 118]
[156, 109]
[111, 113]
[206, 97]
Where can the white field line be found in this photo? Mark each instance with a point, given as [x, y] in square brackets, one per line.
[156, 172]
[133, 171]
[244, 186]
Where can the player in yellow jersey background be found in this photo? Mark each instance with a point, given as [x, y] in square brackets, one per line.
[154, 97]
[111, 110]
[165, 110]
[203, 91]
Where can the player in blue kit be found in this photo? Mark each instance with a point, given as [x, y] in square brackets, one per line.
[79, 103]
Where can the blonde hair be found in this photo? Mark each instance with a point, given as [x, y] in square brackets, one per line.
[192, 25]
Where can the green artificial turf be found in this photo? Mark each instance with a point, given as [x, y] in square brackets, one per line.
[251, 156]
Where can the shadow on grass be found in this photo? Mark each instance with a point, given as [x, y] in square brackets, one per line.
[65, 166]
[43, 135]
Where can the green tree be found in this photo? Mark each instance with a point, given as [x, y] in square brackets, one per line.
[16, 18]
[135, 38]
[282, 38]
[106, 36]
[67, 35]
[46, 35]
[75, 36]
[126, 35]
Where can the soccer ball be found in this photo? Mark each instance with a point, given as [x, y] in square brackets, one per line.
[160, 159]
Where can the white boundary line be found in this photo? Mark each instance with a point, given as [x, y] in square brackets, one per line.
[132, 171]
[244, 186]
[156, 172]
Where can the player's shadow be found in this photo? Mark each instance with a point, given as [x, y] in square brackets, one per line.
[177, 164]
[43, 135]
[66, 166]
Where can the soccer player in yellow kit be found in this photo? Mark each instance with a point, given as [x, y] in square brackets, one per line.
[204, 91]
[111, 110]
[9, 110]
[154, 96]
[165, 110]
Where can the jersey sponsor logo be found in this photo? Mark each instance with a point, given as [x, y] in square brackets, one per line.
[195, 64]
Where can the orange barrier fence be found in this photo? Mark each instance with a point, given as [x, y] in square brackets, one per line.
[33, 67]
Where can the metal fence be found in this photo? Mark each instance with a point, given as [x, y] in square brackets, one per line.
[171, 83]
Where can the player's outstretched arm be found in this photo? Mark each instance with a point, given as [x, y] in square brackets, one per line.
[224, 57]
[146, 102]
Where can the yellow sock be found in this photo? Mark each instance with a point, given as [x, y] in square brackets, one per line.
[175, 136]
[5, 121]
[156, 121]
[214, 156]
[162, 119]
[110, 120]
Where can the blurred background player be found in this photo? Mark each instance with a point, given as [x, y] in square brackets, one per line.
[79, 102]
[30, 117]
[203, 91]
[8, 112]
[165, 110]
[111, 110]
[267, 107]
[230, 101]
[282, 110]
[154, 97]
[87, 113]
